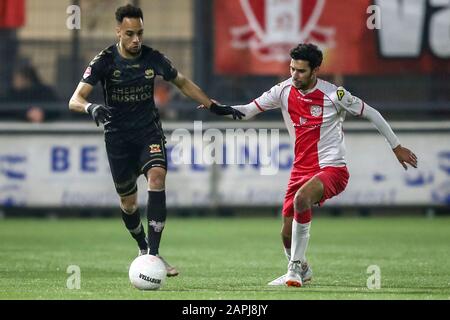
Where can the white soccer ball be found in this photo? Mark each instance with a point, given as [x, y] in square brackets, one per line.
[147, 272]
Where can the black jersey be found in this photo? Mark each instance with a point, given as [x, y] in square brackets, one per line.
[128, 86]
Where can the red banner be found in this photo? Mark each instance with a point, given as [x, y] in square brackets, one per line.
[356, 36]
[12, 13]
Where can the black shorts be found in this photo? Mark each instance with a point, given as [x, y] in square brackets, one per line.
[130, 156]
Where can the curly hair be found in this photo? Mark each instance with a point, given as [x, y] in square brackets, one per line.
[128, 11]
[308, 52]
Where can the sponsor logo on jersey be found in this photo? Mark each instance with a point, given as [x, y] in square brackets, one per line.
[87, 73]
[149, 73]
[154, 148]
[131, 93]
[316, 111]
[303, 121]
[131, 66]
[340, 94]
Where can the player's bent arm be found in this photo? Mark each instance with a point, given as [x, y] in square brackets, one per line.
[78, 102]
[380, 123]
[404, 155]
[191, 90]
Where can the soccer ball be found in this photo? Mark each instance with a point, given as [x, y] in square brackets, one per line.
[147, 272]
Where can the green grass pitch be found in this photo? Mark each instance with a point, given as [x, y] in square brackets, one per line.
[227, 258]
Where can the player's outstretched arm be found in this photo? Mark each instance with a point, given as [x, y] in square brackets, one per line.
[191, 90]
[78, 103]
[357, 107]
[404, 155]
[246, 111]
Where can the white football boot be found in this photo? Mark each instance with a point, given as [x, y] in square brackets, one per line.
[293, 276]
[280, 281]
[307, 272]
[306, 275]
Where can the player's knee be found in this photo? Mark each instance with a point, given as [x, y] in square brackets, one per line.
[157, 180]
[157, 184]
[302, 201]
[128, 206]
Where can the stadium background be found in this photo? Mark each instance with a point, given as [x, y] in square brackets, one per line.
[53, 165]
[408, 84]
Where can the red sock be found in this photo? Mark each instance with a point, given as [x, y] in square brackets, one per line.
[303, 217]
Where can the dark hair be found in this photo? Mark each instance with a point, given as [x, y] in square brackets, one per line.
[308, 52]
[128, 11]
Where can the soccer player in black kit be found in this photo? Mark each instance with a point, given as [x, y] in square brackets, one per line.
[134, 138]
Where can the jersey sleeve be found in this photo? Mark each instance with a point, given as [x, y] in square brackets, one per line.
[270, 99]
[163, 67]
[344, 100]
[96, 70]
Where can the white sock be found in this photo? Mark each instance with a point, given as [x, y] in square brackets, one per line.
[300, 239]
[287, 252]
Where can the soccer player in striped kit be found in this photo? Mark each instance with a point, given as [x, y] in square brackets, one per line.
[314, 111]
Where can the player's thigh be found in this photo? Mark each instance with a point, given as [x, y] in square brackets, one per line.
[295, 183]
[123, 162]
[334, 180]
[152, 154]
[311, 191]
[153, 161]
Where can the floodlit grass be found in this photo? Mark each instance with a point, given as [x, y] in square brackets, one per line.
[227, 258]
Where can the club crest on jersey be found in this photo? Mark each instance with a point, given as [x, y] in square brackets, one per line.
[149, 73]
[87, 73]
[116, 73]
[273, 25]
[340, 94]
[154, 148]
[316, 111]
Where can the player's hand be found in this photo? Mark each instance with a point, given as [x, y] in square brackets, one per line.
[99, 113]
[223, 110]
[404, 156]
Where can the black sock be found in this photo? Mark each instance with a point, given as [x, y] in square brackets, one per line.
[156, 216]
[134, 225]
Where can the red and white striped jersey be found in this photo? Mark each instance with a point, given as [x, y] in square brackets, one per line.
[314, 120]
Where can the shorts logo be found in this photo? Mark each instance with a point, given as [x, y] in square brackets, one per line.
[87, 73]
[149, 73]
[154, 148]
[340, 94]
[316, 111]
